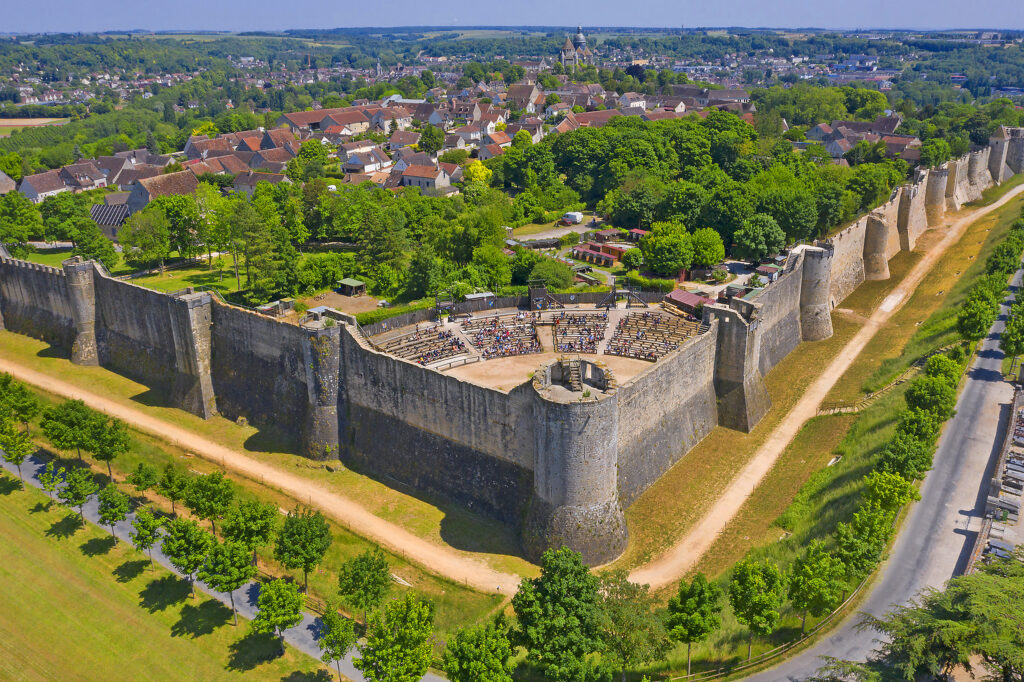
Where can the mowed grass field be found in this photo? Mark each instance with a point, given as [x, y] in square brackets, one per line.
[76, 607]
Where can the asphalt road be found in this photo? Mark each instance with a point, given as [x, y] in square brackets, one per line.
[303, 636]
[938, 535]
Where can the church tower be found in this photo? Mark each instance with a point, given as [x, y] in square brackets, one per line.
[574, 50]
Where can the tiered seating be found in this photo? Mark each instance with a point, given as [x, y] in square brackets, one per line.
[579, 332]
[426, 346]
[503, 335]
[650, 336]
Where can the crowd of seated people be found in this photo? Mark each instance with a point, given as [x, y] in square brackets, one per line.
[578, 332]
[503, 335]
[426, 346]
[649, 335]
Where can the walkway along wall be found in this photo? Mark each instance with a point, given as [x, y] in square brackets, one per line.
[561, 472]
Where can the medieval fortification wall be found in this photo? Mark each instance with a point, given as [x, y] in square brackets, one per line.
[560, 471]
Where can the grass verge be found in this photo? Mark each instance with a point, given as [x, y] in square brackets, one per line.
[82, 608]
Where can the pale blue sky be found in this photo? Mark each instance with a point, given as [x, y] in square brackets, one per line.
[76, 15]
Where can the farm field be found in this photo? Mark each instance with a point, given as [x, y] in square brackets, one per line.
[98, 611]
[10, 125]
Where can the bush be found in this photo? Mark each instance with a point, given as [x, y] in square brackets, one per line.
[932, 394]
[650, 283]
[944, 368]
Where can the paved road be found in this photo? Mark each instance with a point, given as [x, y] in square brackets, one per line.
[303, 636]
[935, 542]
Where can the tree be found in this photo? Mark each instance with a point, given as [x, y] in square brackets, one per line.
[708, 248]
[667, 249]
[143, 478]
[975, 318]
[209, 497]
[21, 403]
[69, 426]
[554, 274]
[889, 490]
[476, 171]
[558, 615]
[186, 545]
[19, 221]
[92, 244]
[860, 543]
[630, 632]
[337, 636]
[146, 238]
[146, 531]
[632, 259]
[50, 479]
[397, 646]
[756, 592]
[478, 654]
[79, 486]
[694, 612]
[816, 582]
[114, 506]
[431, 140]
[16, 445]
[151, 145]
[932, 394]
[227, 568]
[303, 541]
[280, 608]
[760, 236]
[110, 439]
[365, 580]
[944, 367]
[173, 484]
[252, 524]
[907, 456]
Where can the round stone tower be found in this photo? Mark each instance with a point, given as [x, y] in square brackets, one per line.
[935, 196]
[876, 237]
[575, 477]
[816, 280]
[82, 300]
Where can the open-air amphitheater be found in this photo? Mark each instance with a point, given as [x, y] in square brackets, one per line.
[546, 412]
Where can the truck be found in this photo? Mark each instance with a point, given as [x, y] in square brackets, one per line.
[572, 218]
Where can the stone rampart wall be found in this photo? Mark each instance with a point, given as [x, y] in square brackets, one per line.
[34, 302]
[779, 319]
[663, 413]
[847, 260]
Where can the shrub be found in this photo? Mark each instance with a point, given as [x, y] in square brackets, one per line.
[932, 394]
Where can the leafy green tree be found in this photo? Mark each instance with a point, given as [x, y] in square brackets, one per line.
[50, 478]
[860, 543]
[431, 140]
[110, 439]
[173, 484]
[60, 212]
[21, 403]
[630, 632]
[920, 424]
[280, 608]
[708, 248]
[146, 238]
[935, 152]
[975, 318]
[816, 582]
[114, 506]
[477, 172]
[944, 367]
[398, 641]
[92, 244]
[933, 395]
[756, 592]
[337, 636]
[227, 568]
[694, 612]
[888, 490]
[554, 274]
[69, 426]
[78, 487]
[209, 497]
[558, 615]
[907, 456]
[365, 580]
[303, 542]
[146, 531]
[186, 545]
[252, 524]
[632, 259]
[478, 654]
[759, 236]
[20, 221]
[667, 249]
[143, 478]
[16, 445]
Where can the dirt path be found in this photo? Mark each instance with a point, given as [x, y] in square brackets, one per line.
[440, 560]
[685, 554]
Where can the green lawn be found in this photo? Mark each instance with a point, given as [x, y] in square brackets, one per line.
[77, 607]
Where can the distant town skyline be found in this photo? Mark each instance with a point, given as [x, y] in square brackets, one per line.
[235, 15]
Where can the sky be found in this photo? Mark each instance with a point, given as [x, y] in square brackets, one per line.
[241, 15]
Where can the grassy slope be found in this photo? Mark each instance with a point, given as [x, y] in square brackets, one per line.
[80, 608]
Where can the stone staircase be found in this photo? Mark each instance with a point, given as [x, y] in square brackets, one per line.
[573, 371]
